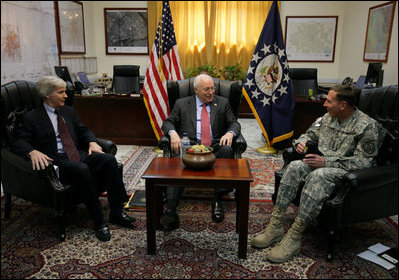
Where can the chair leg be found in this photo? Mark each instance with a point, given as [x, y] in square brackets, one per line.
[7, 206]
[331, 240]
[61, 217]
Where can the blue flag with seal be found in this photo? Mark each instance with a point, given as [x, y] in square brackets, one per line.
[267, 87]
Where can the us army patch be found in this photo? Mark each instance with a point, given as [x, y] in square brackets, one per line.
[369, 146]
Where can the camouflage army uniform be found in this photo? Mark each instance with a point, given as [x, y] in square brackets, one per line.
[349, 146]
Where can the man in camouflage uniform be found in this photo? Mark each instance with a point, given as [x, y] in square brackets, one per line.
[348, 140]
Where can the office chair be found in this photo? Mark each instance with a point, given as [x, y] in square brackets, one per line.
[17, 177]
[368, 194]
[126, 79]
[303, 79]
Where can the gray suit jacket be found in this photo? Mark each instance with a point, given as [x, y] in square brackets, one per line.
[183, 118]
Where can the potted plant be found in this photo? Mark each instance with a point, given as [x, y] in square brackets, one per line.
[233, 72]
[206, 69]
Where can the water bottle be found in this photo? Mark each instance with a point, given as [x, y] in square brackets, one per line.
[185, 143]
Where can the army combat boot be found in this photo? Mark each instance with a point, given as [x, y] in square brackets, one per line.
[290, 245]
[273, 232]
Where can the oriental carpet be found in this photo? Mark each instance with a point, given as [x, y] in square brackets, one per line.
[199, 249]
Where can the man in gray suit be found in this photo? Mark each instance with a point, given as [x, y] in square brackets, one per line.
[186, 118]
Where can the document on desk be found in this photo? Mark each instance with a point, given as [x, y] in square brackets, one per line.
[372, 255]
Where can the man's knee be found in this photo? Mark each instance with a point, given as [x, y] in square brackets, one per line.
[225, 151]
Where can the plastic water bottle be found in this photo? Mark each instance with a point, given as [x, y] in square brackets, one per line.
[185, 143]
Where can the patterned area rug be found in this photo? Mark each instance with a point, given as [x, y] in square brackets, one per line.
[262, 168]
[199, 249]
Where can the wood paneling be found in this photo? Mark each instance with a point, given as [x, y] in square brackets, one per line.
[121, 119]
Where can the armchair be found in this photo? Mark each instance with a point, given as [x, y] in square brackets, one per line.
[17, 177]
[367, 194]
[303, 79]
[183, 88]
[126, 79]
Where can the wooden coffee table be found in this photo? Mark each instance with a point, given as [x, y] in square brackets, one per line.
[164, 171]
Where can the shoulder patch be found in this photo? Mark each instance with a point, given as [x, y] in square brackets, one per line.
[369, 147]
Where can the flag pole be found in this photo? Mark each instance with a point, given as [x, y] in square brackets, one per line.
[266, 88]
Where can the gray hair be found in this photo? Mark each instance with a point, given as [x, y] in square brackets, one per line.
[47, 84]
[200, 77]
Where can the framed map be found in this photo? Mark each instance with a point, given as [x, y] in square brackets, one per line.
[126, 31]
[378, 35]
[70, 27]
[26, 52]
[310, 38]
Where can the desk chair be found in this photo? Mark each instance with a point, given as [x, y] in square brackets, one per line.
[126, 79]
[303, 79]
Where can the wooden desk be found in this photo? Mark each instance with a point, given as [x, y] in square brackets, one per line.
[171, 171]
[121, 119]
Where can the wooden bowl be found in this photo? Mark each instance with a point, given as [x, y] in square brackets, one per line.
[202, 160]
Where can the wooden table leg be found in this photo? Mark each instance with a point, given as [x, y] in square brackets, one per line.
[151, 217]
[243, 220]
[237, 199]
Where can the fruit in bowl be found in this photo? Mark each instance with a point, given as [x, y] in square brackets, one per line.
[198, 157]
[198, 149]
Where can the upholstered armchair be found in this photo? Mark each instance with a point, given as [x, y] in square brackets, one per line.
[126, 79]
[183, 88]
[367, 194]
[17, 177]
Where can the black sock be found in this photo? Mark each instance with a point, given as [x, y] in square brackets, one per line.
[115, 211]
[171, 205]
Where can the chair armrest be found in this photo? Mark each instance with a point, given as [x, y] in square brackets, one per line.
[164, 145]
[25, 166]
[365, 180]
[108, 146]
[239, 146]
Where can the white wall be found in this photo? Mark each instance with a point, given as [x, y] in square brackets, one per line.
[95, 36]
[351, 60]
[351, 34]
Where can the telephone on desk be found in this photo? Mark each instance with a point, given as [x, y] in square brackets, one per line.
[79, 86]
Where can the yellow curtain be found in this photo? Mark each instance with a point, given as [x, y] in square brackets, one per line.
[217, 33]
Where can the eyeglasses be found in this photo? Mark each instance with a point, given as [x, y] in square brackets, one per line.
[207, 89]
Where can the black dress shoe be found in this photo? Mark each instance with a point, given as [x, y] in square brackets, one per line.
[217, 211]
[169, 221]
[103, 234]
[122, 220]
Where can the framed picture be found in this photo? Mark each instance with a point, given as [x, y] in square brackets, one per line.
[378, 35]
[70, 27]
[126, 31]
[310, 38]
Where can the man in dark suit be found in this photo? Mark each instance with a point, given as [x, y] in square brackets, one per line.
[80, 159]
[188, 116]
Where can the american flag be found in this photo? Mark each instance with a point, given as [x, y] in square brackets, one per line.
[164, 65]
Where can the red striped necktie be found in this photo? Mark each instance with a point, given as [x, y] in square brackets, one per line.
[66, 139]
[205, 127]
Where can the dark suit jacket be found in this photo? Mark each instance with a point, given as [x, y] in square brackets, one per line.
[37, 132]
[183, 118]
